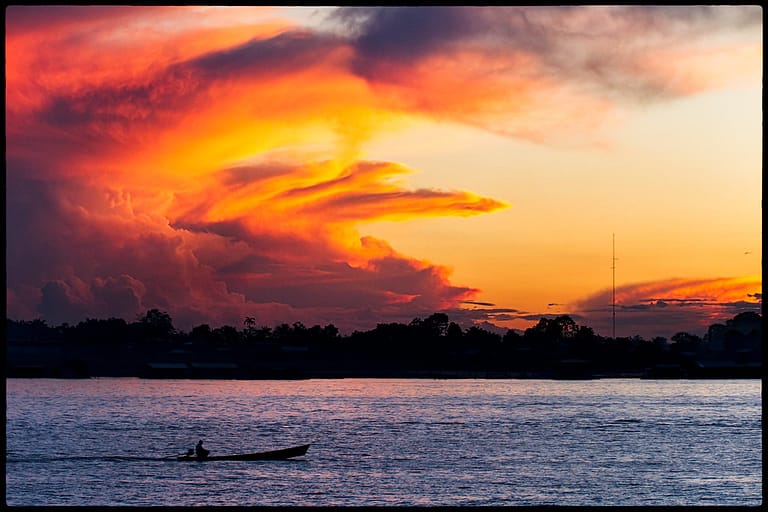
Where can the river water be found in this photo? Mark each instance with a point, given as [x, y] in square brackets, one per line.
[99, 442]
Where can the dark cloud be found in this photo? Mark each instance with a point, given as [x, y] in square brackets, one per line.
[288, 52]
[407, 33]
[61, 303]
[588, 45]
[233, 229]
[384, 39]
[23, 19]
[118, 297]
[71, 300]
[697, 18]
[478, 303]
[667, 300]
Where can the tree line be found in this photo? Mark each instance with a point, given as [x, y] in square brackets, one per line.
[433, 342]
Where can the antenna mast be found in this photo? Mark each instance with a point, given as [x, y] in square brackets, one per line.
[613, 285]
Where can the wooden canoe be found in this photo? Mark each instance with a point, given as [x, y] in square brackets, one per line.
[285, 453]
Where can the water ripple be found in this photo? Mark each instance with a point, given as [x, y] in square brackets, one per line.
[385, 442]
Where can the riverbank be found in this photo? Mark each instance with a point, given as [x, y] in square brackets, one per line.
[232, 371]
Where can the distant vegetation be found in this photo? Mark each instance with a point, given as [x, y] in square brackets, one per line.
[433, 346]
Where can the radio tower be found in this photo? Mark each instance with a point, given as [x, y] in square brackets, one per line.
[613, 285]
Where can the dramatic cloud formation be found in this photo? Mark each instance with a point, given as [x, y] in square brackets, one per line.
[538, 72]
[207, 161]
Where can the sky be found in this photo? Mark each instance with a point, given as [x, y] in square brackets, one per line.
[365, 165]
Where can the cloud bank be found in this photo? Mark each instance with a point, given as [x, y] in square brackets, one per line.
[663, 308]
[206, 161]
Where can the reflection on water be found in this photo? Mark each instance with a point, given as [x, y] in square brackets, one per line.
[385, 442]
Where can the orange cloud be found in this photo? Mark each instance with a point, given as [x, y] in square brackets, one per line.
[206, 161]
[113, 45]
[662, 308]
[137, 205]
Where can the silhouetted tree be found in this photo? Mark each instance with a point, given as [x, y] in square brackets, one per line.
[331, 332]
[157, 324]
[583, 343]
[436, 324]
[685, 342]
[91, 330]
[454, 331]
[746, 322]
[714, 339]
[479, 337]
[282, 333]
[226, 335]
[564, 327]
[263, 333]
[540, 337]
[201, 333]
[299, 334]
[31, 330]
[432, 343]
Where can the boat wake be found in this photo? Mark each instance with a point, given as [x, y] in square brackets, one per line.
[105, 458]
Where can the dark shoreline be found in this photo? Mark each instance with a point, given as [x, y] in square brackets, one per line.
[431, 348]
[189, 373]
[66, 360]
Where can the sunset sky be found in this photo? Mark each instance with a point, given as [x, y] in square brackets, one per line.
[362, 165]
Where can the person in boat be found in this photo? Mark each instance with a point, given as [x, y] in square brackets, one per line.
[200, 451]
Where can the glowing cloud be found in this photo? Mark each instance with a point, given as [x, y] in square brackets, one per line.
[539, 72]
[656, 308]
[133, 206]
[205, 161]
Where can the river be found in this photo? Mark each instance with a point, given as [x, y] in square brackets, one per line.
[101, 442]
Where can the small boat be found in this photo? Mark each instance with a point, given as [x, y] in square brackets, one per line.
[285, 453]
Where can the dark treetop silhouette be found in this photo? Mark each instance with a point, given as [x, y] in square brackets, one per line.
[430, 347]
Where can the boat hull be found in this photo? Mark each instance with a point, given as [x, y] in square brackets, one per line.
[285, 453]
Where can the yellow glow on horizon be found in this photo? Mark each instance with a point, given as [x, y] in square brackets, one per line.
[489, 173]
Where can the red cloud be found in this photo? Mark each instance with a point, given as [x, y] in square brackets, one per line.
[178, 168]
[663, 308]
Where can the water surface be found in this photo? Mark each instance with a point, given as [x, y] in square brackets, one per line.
[385, 442]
